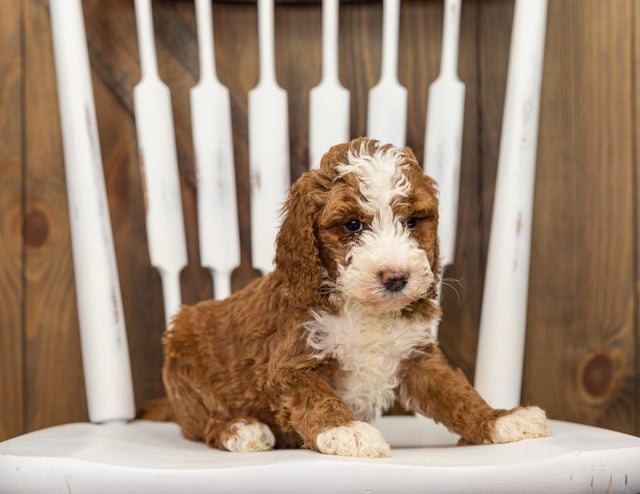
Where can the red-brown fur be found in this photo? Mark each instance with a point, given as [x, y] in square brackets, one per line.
[247, 356]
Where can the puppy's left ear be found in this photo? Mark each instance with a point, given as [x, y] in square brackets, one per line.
[297, 256]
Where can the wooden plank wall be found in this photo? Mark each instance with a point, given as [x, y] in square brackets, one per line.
[11, 212]
[582, 359]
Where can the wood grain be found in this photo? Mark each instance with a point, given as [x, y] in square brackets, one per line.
[12, 404]
[582, 329]
[635, 204]
[54, 382]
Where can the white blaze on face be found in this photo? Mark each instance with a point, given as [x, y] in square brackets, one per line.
[380, 176]
[385, 244]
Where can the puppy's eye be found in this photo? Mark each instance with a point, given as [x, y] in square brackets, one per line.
[411, 223]
[354, 226]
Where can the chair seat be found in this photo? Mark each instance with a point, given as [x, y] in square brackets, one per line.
[144, 456]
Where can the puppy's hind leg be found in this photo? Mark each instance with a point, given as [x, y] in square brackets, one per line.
[239, 435]
[204, 416]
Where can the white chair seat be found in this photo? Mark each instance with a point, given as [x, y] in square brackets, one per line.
[152, 457]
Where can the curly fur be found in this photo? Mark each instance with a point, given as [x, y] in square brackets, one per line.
[338, 330]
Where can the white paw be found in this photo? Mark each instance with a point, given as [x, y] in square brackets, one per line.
[355, 439]
[249, 436]
[522, 423]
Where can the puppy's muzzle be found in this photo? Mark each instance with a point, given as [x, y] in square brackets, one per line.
[393, 281]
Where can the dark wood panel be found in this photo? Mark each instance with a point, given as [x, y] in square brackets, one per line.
[360, 49]
[635, 67]
[582, 338]
[494, 38]
[11, 294]
[298, 64]
[54, 383]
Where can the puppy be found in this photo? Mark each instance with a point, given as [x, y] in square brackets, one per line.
[309, 354]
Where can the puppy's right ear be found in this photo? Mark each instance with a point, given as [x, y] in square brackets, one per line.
[297, 256]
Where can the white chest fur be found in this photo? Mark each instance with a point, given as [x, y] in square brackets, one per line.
[370, 349]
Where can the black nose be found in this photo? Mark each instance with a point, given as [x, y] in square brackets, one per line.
[394, 281]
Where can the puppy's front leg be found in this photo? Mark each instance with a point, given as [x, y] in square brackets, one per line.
[304, 401]
[431, 387]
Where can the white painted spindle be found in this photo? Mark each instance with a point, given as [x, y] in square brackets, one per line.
[387, 113]
[504, 304]
[159, 166]
[213, 146]
[105, 354]
[268, 147]
[328, 101]
[443, 140]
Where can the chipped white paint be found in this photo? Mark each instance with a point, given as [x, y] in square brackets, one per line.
[268, 147]
[443, 140]
[105, 355]
[504, 304]
[213, 145]
[387, 113]
[328, 101]
[159, 166]
[144, 456]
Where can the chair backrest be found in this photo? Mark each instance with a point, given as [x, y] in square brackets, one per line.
[105, 353]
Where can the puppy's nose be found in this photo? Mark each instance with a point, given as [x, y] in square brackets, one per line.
[394, 281]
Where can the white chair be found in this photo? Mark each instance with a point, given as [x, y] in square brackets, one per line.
[115, 454]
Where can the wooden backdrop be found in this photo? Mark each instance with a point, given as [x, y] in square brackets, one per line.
[582, 358]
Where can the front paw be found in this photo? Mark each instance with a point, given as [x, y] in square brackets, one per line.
[355, 439]
[520, 423]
